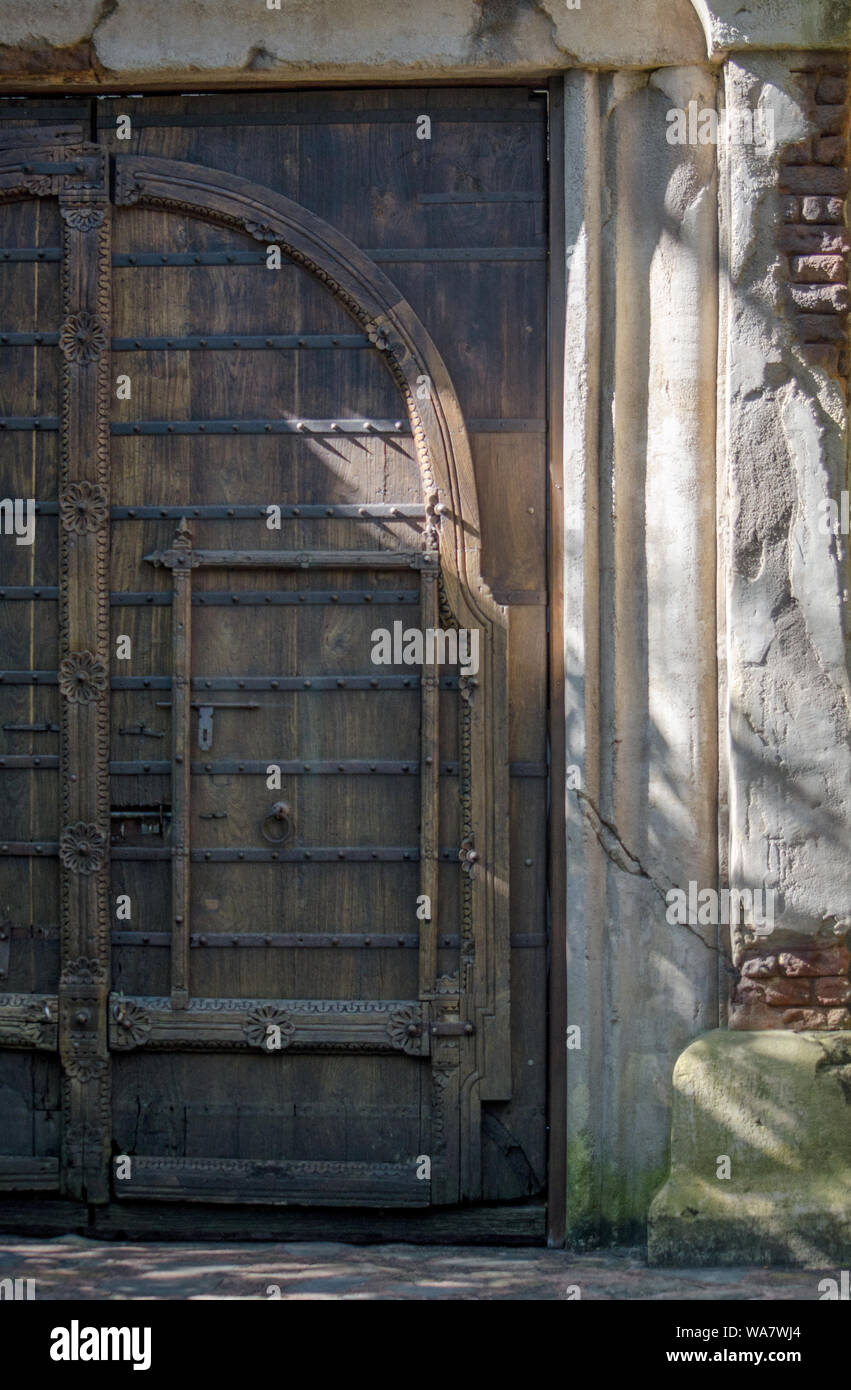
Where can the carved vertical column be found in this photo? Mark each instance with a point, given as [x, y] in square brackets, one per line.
[84, 681]
[429, 783]
[181, 639]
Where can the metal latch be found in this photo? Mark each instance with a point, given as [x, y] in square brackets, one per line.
[205, 716]
[452, 1029]
[137, 821]
[142, 731]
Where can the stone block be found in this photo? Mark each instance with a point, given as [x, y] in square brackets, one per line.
[776, 1104]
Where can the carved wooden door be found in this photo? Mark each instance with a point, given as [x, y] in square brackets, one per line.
[278, 834]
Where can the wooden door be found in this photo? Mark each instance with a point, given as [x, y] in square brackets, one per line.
[298, 952]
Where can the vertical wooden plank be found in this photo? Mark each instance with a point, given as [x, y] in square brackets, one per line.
[84, 679]
[557, 1158]
[429, 785]
[181, 715]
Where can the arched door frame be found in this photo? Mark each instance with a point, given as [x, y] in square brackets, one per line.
[78, 175]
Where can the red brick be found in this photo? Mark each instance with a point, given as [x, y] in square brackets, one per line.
[791, 209]
[820, 299]
[832, 89]
[802, 153]
[819, 270]
[831, 120]
[799, 1019]
[814, 241]
[830, 210]
[781, 992]
[833, 990]
[845, 363]
[831, 149]
[754, 1016]
[815, 960]
[822, 328]
[816, 179]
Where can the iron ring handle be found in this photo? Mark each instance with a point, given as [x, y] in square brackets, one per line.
[279, 812]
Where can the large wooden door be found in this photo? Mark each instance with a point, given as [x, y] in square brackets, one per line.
[273, 905]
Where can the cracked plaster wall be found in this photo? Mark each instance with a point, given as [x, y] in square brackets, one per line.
[789, 696]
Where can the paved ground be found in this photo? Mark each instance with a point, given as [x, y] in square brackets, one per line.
[70, 1267]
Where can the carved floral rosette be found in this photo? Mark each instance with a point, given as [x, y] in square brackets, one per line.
[82, 338]
[82, 678]
[81, 848]
[404, 1029]
[134, 1025]
[82, 507]
[259, 1021]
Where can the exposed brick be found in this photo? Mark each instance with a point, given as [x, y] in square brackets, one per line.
[845, 363]
[832, 89]
[779, 992]
[822, 328]
[830, 120]
[818, 270]
[833, 990]
[800, 1019]
[814, 241]
[815, 960]
[820, 299]
[830, 210]
[831, 149]
[817, 179]
[802, 153]
[820, 355]
[753, 1015]
[760, 967]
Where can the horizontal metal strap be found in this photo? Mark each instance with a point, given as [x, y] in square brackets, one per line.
[319, 855]
[306, 427]
[29, 422]
[25, 849]
[45, 849]
[348, 941]
[240, 682]
[349, 767]
[262, 341]
[42, 760]
[311, 428]
[223, 598]
[398, 254]
[42, 591]
[306, 511]
[29, 339]
[312, 683]
[29, 677]
[31, 253]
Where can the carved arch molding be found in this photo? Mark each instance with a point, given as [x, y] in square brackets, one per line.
[88, 186]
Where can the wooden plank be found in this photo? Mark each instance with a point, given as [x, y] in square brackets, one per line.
[273, 1181]
[84, 846]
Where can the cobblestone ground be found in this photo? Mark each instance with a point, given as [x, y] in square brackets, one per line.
[71, 1267]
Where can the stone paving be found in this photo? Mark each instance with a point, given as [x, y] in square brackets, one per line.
[70, 1267]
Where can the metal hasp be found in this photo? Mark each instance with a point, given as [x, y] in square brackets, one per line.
[205, 716]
